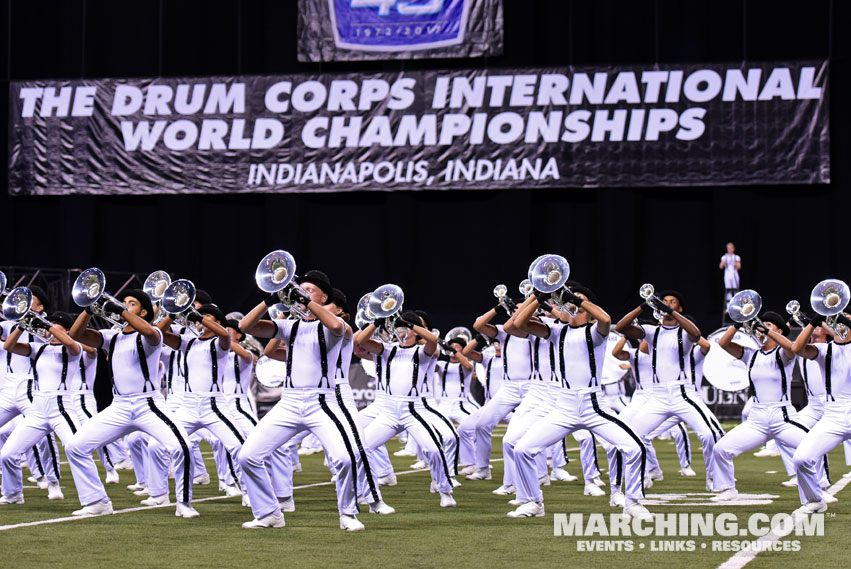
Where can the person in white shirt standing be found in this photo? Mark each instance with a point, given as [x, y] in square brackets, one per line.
[54, 366]
[731, 264]
[308, 401]
[134, 356]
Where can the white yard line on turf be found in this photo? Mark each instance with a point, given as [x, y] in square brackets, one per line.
[142, 508]
[744, 557]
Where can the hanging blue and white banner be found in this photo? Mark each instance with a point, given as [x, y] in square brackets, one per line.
[343, 30]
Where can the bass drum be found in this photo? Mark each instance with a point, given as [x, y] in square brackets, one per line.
[269, 372]
[722, 370]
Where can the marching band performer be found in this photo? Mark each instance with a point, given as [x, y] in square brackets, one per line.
[834, 361]
[54, 365]
[668, 343]
[307, 402]
[772, 416]
[133, 355]
[453, 378]
[581, 348]
[402, 408]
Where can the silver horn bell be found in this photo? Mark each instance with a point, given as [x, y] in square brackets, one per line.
[829, 298]
[744, 308]
[90, 291]
[179, 301]
[17, 308]
[275, 274]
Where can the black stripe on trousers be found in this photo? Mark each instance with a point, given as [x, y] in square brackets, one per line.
[594, 448]
[700, 412]
[324, 405]
[53, 456]
[564, 450]
[65, 415]
[618, 467]
[89, 415]
[245, 413]
[215, 407]
[184, 446]
[449, 424]
[359, 444]
[424, 423]
[629, 431]
[806, 430]
[685, 441]
[461, 405]
[38, 463]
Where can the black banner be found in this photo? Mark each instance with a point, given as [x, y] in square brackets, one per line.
[354, 30]
[688, 125]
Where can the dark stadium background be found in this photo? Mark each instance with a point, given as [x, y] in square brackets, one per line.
[447, 249]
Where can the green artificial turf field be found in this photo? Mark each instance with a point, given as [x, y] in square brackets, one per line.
[476, 534]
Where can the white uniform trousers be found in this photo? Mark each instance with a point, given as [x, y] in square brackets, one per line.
[407, 413]
[15, 398]
[665, 400]
[379, 459]
[137, 445]
[145, 412]
[808, 417]
[588, 454]
[49, 412]
[833, 428]
[537, 403]
[225, 468]
[636, 404]
[366, 479]
[678, 432]
[578, 409]
[85, 407]
[447, 436]
[504, 402]
[199, 467]
[315, 410]
[199, 411]
[766, 421]
[280, 464]
[466, 415]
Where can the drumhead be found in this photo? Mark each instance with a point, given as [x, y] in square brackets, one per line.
[269, 372]
[721, 369]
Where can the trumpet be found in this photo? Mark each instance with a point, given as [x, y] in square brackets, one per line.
[648, 293]
[500, 291]
[386, 302]
[155, 286]
[526, 288]
[744, 308]
[89, 291]
[276, 273]
[829, 298]
[17, 307]
[793, 308]
[179, 301]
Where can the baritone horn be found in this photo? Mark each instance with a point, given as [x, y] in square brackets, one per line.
[648, 293]
[89, 291]
[793, 308]
[17, 307]
[744, 308]
[829, 298]
[155, 287]
[500, 291]
[549, 273]
[179, 301]
[386, 302]
[276, 274]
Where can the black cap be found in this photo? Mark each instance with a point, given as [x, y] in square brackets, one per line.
[676, 294]
[63, 319]
[39, 293]
[426, 320]
[215, 311]
[203, 296]
[589, 294]
[231, 323]
[318, 278]
[338, 298]
[411, 316]
[777, 320]
[143, 299]
[461, 341]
